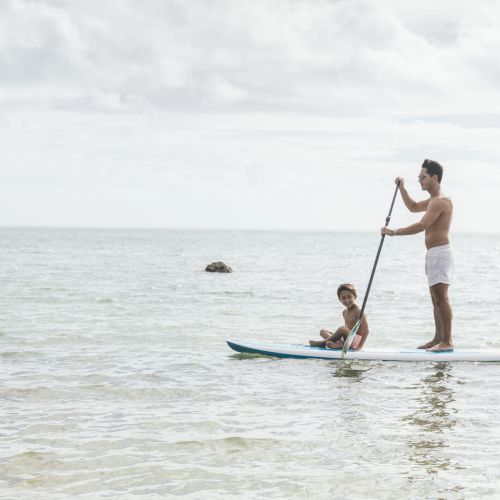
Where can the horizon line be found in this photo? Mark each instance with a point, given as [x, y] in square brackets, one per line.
[223, 229]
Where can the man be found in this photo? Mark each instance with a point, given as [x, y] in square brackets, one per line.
[439, 259]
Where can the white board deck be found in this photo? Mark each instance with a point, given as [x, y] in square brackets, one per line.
[374, 354]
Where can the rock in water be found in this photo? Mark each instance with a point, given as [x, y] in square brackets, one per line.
[218, 267]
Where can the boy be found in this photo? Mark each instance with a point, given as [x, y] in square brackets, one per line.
[347, 296]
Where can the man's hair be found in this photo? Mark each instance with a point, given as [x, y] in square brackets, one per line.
[433, 168]
[346, 287]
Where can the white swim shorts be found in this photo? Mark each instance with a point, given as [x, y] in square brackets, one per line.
[439, 265]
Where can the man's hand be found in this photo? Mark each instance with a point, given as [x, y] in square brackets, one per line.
[401, 182]
[389, 232]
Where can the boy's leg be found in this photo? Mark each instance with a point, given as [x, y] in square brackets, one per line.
[341, 332]
[334, 345]
[317, 343]
[325, 334]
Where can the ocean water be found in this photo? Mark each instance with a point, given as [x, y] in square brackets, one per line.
[116, 380]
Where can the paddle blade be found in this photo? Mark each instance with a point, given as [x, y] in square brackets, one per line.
[350, 338]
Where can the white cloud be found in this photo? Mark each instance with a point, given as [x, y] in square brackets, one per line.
[344, 56]
[255, 171]
[244, 114]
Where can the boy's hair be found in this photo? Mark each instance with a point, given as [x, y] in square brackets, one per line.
[433, 168]
[346, 287]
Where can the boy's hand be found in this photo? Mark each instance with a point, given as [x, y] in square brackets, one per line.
[387, 231]
[401, 182]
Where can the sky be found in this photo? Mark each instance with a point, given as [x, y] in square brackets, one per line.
[230, 114]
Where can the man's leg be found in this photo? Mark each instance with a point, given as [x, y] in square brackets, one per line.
[443, 309]
[438, 335]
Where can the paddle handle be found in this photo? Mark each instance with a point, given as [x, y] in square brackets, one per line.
[387, 220]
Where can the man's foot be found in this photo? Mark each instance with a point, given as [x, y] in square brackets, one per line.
[317, 343]
[441, 348]
[428, 345]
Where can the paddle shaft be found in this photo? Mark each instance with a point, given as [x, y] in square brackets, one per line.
[387, 220]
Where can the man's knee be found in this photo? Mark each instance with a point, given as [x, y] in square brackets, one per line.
[439, 294]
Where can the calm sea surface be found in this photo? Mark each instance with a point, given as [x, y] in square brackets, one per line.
[116, 380]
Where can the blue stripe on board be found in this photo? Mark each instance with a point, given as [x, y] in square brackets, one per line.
[240, 348]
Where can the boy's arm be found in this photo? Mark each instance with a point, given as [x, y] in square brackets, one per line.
[362, 332]
[411, 204]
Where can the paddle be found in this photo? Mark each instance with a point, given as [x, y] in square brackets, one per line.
[352, 333]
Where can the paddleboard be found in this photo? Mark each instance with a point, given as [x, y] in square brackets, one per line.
[374, 354]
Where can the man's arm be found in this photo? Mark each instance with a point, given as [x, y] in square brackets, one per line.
[434, 210]
[411, 204]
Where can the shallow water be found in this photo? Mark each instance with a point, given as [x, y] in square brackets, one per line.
[116, 380]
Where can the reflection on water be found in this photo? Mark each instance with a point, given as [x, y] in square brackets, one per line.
[434, 416]
[350, 369]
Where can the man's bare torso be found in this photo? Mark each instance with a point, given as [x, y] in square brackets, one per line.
[438, 233]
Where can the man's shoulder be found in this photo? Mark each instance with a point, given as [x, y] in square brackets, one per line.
[442, 201]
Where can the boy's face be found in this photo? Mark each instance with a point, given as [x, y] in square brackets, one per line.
[347, 298]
